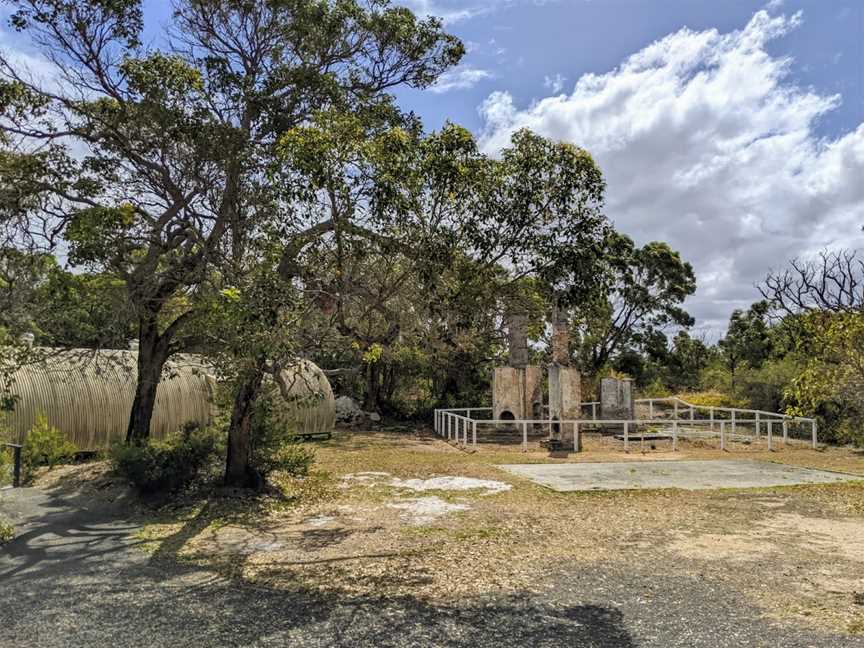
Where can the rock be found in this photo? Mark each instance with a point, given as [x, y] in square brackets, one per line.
[375, 417]
[347, 411]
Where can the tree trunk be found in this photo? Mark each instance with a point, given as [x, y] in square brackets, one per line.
[389, 384]
[373, 388]
[152, 355]
[239, 471]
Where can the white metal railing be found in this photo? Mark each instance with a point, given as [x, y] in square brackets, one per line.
[454, 423]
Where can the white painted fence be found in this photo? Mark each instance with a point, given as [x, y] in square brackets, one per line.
[455, 424]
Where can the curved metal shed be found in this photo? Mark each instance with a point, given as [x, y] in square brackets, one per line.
[307, 405]
[87, 395]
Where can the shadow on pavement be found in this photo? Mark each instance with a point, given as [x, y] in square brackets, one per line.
[72, 577]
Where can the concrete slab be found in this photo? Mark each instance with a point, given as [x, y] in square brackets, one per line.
[688, 475]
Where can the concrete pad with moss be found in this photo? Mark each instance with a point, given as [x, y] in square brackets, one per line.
[686, 475]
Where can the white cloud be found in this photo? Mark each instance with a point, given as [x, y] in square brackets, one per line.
[554, 83]
[460, 78]
[452, 11]
[707, 144]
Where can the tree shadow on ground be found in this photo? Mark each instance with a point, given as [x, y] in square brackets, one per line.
[347, 619]
[76, 577]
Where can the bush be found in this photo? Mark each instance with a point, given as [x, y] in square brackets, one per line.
[712, 399]
[275, 447]
[44, 446]
[7, 532]
[170, 465]
[6, 466]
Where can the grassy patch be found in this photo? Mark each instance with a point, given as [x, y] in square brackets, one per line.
[7, 532]
[341, 535]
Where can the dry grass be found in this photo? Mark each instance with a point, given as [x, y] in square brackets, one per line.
[794, 550]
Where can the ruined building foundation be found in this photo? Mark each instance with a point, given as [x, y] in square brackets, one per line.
[565, 382]
[517, 389]
[616, 399]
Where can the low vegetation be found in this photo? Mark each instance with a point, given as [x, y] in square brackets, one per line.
[193, 458]
[45, 446]
[356, 526]
[171, 465]
[7, 532]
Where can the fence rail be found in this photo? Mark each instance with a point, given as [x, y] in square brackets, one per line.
[454, 423]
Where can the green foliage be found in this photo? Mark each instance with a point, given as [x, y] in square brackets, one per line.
[275, 447]
[831, 383]
[643, 290]
[712, 399]
[7, 532]
[182, 460]
[655, 389]
[748, 339]
[766, 387]
[6, 466]
[97, 233]
[44, 446]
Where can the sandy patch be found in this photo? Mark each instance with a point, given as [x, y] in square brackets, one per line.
[722, 547]
[777, 535]
[423, 510]
[842, 537]
[442, 483]
[451, 484]
[319, 520]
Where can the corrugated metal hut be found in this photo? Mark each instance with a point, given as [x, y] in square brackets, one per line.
[88, 394]
[303, 399]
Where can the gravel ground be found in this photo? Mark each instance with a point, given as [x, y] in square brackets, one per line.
[73, 577]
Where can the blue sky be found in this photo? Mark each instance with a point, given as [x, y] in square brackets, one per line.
[523, 43]
[732, 129]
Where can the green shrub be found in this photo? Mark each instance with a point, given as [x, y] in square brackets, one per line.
[44, 446]
[712, 399]
[7, 532]
[655, 389]
[6, 466]
[275, 447]
[170, 465]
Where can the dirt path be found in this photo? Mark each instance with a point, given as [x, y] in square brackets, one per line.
[75, 577]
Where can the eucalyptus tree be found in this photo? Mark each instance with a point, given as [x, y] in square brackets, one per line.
[643, 292]
[151, 162]
[406, 225]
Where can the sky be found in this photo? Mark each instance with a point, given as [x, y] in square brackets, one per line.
[732, 130]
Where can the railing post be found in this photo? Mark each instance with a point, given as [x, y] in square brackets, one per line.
[577, 441]
[474, 433]
[524, 437]
[675, 435]
[722, 436]
[785, 431]
[468, 413]
[814, 434]
[712, 419]
[626, 437]
[593, 411]
[770, 435]
[651, 408]
[465, 423]
[675, 409]
[733, 422]
[757, 425]
[449, 424]
[16, 465]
